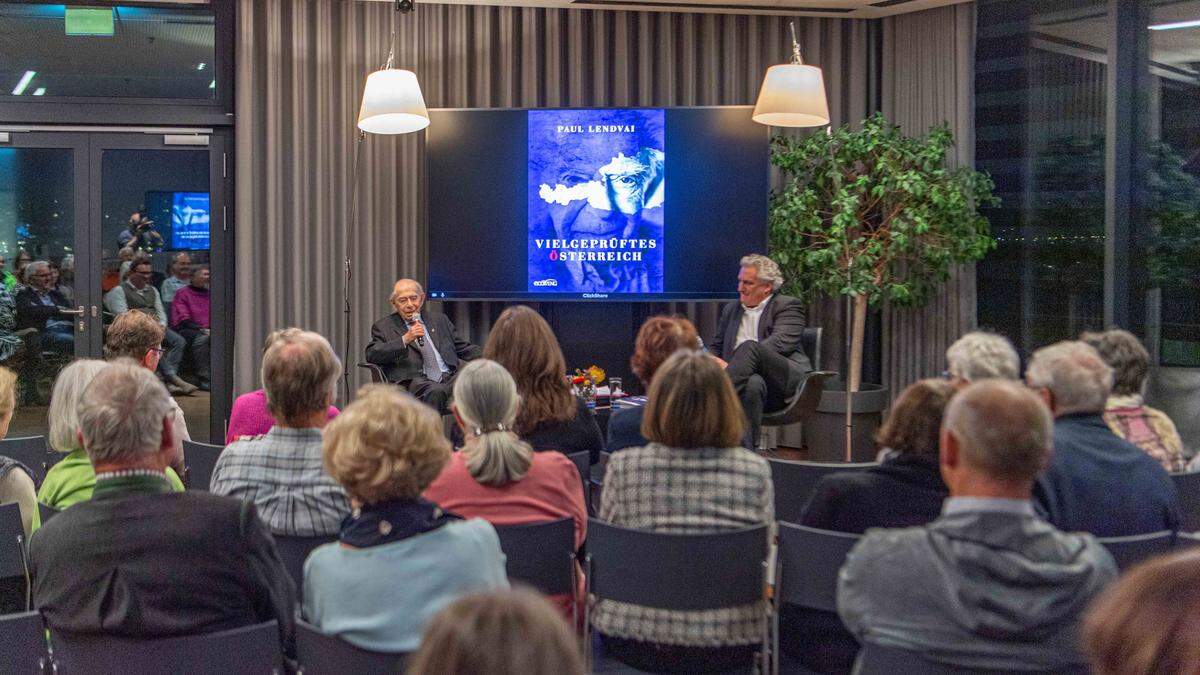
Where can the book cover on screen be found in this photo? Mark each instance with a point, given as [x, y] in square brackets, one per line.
[596, 190]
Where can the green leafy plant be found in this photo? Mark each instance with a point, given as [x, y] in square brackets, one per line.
[874, 215]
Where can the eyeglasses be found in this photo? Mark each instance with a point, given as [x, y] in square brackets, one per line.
[158, 350]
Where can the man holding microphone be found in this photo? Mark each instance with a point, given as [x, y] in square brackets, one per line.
[423, 353]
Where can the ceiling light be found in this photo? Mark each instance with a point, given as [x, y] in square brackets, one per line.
[40, 91]
[792, 94]
[1195, 23]
[25, 80]
[201, 66]
[213, 85]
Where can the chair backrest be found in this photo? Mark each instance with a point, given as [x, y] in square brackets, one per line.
[321, 654]
[376, 372]
[22, 643]
[12, 542]
[1131, 550]
[47, 512]
[293, 551]
[201, 460]
[583, 464]
[676, 571]
[541, 555]
[1188, 487]
[31, 451]
[809, 560]
[810, 339]
[880, 660]
[249, 650]
[794, 483]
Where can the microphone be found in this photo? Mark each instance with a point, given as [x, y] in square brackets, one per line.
[420, 338]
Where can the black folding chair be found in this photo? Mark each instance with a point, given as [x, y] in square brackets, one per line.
[47, 512]
[684, 572]
[1188, 487]
[23, 643]
[33, 452]
[597, 472]
[877, 659]
[1131, 550]
[377, 376]
[13, 563]
[249, 650]
[795, 482]
[541, 555]
[293, 551]
[583, 464]
[201, 460]
[321, 654]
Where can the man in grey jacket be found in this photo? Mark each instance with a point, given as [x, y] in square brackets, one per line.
[988, 584]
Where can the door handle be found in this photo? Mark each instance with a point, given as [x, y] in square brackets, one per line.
[77, 312]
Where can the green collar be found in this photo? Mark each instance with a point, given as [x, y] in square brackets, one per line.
[120, 484]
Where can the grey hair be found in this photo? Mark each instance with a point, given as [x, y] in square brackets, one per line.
[979, 355]
[1074, 372]
[420, 288]
[486, 399]
[121, 413]
[1003, 429]
[766, 268]
[1127, 356]
[299, 373]
[33, 266]
[64, 402]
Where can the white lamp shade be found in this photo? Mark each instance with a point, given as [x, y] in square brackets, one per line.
[392, 103]
[792, 95]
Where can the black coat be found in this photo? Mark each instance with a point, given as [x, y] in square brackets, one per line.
[401, 363]
[779, 328]
[903, 491]
[31, 313]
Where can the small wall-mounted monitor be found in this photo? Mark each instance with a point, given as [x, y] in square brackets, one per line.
[182, 218]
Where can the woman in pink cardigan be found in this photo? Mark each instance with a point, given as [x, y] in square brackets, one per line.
[496, 476]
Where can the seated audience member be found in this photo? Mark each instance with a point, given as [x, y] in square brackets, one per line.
[399, 559]
[980, 355]
[989, 584]
[1096, 481]
[16, 480]
[11, 343]
[137, 336]
[502, 633]
[424, 352]
[72, 479]
[497, 476]
[249, 415]
[551, 417]
[38, 306]
[181, 276]
[758, 341]
[140, 560]
[65, 283]
[659, 338]
[136, 293]
[190, 318]
[691, 478]
[1125, 412]
[906, 489]
[281, 472]
[1145, 624]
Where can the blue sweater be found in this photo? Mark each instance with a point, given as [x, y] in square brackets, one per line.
[380, 598]
[1100, 483]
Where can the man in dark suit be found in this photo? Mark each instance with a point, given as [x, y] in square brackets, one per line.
[139, 560]
[758, 339]
[424, 352]
[40, 306]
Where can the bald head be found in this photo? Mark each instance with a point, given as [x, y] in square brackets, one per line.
[1000, 429]
[407, 298]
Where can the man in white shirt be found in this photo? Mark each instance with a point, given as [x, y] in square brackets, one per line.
[758, 340]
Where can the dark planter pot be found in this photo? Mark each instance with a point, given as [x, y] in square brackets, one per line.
[825, 433]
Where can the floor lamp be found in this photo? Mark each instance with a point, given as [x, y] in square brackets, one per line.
[392, 104]
[793, 95]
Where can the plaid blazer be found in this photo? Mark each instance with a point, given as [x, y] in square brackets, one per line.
[685, 491]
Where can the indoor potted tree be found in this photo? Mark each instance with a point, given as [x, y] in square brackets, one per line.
[872, 215]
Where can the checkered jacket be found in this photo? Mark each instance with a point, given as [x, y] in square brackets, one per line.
[281, 473]
[680, 491]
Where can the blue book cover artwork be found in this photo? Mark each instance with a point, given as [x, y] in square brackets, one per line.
[596, 190]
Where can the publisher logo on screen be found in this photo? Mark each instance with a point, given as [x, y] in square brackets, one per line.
[546, 282]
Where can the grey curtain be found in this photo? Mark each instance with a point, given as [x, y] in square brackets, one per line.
[928, 77]
[301, 67]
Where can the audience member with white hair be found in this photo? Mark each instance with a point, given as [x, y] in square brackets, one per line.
[1096, 481]
[989, 585]
[980, 355]
[140, 560]
[281, 471]
[39, 306]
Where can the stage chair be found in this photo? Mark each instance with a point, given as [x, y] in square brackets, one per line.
[201, 460]
[798, 408]
[1131, 550]
[47, 512]
[249, 650]
[677, 571]
[321, 654]
[23, 643]
[542, 555]
[794, 483]
[33, 452]
[1188, 487]
[802, 404]
[293, 551]
[377, 375]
